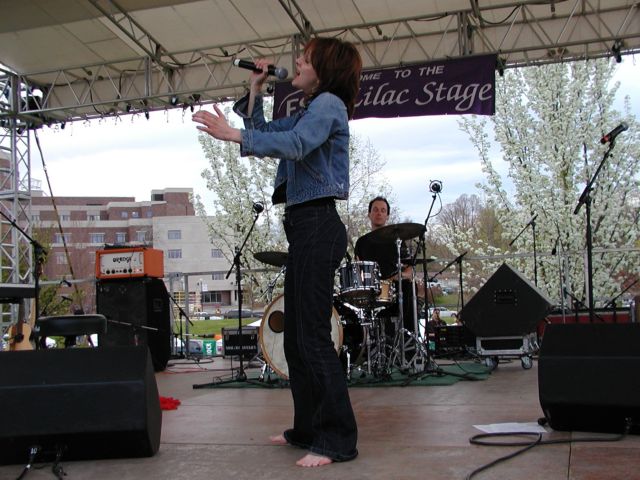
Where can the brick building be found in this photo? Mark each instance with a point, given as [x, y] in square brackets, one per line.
[167, 222]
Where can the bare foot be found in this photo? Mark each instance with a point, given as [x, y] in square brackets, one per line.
[278, 439]
[313, 460]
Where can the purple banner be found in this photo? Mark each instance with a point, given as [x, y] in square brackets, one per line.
[449, 87]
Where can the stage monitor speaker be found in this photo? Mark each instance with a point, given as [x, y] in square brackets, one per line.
[137, 312]
[588, 376]
[93, 402]
[506, 305]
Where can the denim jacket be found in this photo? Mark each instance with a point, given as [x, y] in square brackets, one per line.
[312, 145]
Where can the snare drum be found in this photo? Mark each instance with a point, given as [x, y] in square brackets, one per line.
[272, 336]
[359, 282]
[387, 293]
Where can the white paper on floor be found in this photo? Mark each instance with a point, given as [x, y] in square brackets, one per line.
[530, 427]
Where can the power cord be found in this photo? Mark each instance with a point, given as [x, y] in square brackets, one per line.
[479, 440]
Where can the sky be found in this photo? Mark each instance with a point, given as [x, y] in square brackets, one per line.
[131, 156]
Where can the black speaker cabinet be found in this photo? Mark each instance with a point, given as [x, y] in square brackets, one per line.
[93, 402]
[132, 305]
[588, 376]
[506, 305]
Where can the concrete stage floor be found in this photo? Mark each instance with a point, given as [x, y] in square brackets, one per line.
[404, 433]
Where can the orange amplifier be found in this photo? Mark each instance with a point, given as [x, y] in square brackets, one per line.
[129, 262]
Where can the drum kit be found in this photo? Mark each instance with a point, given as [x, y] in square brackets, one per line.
[367, 325]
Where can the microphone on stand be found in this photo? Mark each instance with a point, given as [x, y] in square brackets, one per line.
[611, 136]
[435, 186]
[278, 72]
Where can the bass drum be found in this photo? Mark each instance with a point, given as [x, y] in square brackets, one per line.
[272, 336]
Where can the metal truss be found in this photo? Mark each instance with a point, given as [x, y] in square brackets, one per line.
[522, 33]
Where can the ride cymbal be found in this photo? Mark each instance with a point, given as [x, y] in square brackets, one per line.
[389, 233]
[277, 259]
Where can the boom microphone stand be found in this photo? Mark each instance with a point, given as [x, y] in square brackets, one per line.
[532, 222]
[585, 198]
[241, 375]
[38, 259]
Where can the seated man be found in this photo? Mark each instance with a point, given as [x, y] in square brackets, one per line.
[385, 254]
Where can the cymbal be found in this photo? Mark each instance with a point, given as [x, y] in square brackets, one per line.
[417, 261]
[277, 259]
[403, 231]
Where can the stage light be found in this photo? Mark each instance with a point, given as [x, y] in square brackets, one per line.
[146, 114]
[174, 100]
[615, 49]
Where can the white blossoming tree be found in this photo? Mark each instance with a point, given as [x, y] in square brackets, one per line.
[239, 182]
[548, 123]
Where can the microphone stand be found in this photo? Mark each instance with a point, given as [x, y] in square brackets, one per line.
[457, 260]
[241, 376]
[532, 222]
[585, 198]
[185, 345]
[612, 302]
[38, 259]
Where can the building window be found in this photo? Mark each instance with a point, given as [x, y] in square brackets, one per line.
[141, 236]
[135, 214]
[149, 214]
[96, 238]
[211, 297]
[174, 253]
[35, 217]
[217, 276]
[61, 258]
[93, 216]
[124, 214]
[65, 217]
[59, 238]
[121, 237]
[216, 253]
[175, 234]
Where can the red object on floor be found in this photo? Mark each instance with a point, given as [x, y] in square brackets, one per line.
[169, 403]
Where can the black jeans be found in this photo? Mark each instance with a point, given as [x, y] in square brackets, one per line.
[323, 420]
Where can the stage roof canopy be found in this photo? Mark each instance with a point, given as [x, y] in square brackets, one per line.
[80, 59]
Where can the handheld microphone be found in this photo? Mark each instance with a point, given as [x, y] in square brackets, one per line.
[611, 136]
[279, 72]
[258, 207]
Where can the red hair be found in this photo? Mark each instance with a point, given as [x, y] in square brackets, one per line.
[338, 65]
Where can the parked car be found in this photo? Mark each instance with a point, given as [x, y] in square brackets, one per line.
[205, 316]
[235, 314]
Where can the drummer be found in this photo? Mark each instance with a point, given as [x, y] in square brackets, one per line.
[385, 254]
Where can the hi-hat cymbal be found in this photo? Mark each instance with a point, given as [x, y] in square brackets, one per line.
[277, 259]
[389, 233]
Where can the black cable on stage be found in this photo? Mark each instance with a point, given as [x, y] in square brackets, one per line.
[57, 468]
[478, 440]
[33, 451]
